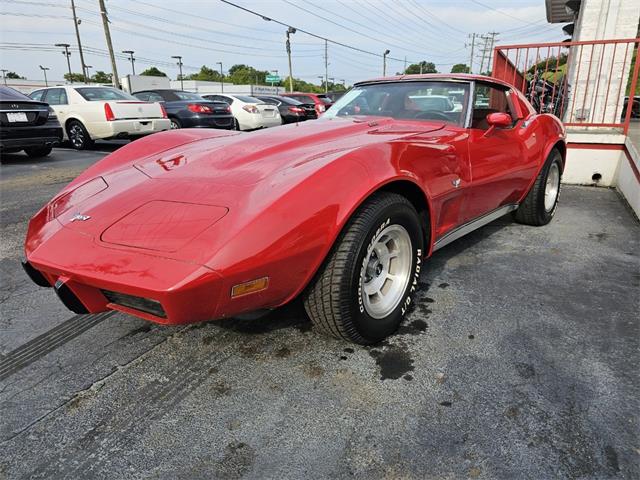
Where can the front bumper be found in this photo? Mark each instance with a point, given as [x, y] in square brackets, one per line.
[80, 269]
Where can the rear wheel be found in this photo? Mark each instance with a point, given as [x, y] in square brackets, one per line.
[540, 204]
[36, 152]
[78, 135]
[175, 124]
[365, 287]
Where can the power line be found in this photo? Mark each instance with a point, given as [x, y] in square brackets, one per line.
[501, 12]
[265, 17]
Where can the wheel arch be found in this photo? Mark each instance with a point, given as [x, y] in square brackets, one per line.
[404, 186]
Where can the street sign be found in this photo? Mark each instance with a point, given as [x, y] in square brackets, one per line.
[272, 79]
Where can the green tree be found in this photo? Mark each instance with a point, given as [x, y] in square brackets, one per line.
[422, 67]
[245, 74]
[14, 75]
[460, 68]
[205, 74]
[101, 77]
[153, 72]
[74, 77]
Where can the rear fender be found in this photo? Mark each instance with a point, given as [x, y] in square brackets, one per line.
[554, 134]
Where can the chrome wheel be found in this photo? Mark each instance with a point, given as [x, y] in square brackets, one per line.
[174, 125]
[76, 136]
[386, 271]
[552, 187]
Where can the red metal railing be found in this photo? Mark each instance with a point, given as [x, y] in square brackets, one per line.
[583, 83]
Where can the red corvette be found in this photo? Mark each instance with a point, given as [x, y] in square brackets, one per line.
[192, 225]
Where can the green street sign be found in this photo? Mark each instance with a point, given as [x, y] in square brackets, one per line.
[272, 79]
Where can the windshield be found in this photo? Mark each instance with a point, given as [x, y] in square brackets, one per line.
[324, 99]
[94, 94]
[186, 95]
[429, 100]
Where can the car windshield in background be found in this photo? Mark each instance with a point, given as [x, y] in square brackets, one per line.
[428, 100]
[95, 94]
[187, 96]
[245, 99]
[303, 98]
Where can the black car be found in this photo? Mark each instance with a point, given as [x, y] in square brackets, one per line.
[189, 110]
[291, 110]
[27, 125]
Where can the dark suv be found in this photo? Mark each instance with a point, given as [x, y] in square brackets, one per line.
[189, 110]
[27, 125]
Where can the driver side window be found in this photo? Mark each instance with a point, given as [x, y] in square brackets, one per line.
[486, 100]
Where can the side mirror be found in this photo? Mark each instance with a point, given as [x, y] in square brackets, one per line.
[498, 119]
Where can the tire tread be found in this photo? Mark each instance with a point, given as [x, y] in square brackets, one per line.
[328, 297]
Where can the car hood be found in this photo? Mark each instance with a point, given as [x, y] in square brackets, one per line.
[248, 158]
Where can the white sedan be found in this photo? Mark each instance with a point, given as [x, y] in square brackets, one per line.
[88, 113]
[249, 112]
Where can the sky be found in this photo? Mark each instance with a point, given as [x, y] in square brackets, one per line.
[205, 32]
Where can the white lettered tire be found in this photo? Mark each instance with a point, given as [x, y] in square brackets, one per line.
[366, 284]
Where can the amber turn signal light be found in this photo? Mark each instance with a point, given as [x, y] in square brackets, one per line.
[252, 286]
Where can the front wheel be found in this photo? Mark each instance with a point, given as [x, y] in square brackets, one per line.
[366, 284]
[540, 204]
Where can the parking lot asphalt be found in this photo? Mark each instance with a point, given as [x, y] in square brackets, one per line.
[519, 360]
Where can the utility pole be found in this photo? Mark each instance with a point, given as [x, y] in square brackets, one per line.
[44, 70]
[326, 67]
[67, 54]
[489, 39]
[473, 44]
[76, 23]
[4, 75]
[87, 75]
[405, 65]
[221, 78]
[290, 30]
[384, 62]
[490, 51]
[107, 34]
[179, 58]
[131, 59]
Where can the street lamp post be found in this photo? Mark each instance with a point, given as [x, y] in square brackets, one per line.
[4, 74]
[384, 62]
[322, 79]
[67, 54]
[44, 70]
[290, 31]
[87, 74]
[179, 58]
[221, 78]
[131, 59]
